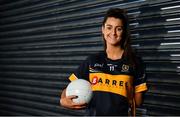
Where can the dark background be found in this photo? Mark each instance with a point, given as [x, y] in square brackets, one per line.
[43, 41]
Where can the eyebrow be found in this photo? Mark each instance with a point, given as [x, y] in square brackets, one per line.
[111, 25]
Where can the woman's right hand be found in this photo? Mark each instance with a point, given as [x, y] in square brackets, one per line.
[67, 101]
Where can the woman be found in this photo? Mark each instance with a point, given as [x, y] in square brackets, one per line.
[117, 75]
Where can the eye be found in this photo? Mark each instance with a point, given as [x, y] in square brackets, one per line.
[108, 27]
[119, 29]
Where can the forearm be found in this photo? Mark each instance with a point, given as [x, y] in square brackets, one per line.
[63, 95]
[138, 99]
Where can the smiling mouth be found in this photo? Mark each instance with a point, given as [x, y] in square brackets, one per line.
[112, 37]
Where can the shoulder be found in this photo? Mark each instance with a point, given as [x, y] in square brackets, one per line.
[140, 65]
[139, 60]
[93, 58]
[96, 56]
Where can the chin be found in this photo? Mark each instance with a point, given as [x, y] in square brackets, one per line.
[114, 42]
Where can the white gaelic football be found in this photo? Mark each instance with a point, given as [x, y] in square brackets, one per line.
[80, 88]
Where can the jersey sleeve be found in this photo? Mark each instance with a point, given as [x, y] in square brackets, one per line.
[140, 77]
[82, 72]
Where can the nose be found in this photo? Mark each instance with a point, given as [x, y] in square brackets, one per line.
[113, 31]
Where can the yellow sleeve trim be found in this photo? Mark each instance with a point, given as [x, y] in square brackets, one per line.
[72, 77]
[141, 88]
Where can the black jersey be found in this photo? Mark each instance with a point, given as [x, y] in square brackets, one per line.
[113, 83]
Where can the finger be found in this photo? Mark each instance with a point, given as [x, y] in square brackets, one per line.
[72, 96]
[79, 107]
[80, 104]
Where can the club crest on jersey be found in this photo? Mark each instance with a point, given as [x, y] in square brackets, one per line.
[125, 68]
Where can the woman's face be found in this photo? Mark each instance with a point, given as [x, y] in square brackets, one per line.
[112, 31]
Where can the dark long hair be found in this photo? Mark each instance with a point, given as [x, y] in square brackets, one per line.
[125, 41]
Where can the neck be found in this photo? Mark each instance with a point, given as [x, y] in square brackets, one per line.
[114, 53]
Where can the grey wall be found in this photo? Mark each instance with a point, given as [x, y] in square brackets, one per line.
[43, 41]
